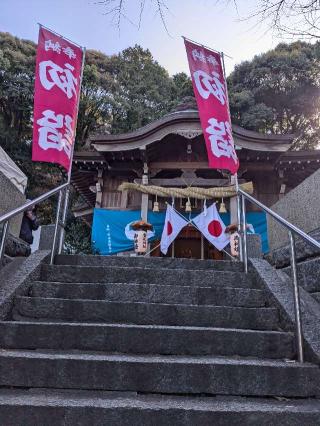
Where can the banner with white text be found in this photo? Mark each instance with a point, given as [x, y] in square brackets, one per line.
[210, 90]
[57, 89]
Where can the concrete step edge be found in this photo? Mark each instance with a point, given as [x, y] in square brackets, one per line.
[155, 359]
[119, 338]
[140, 268]
[152, 293]
[191, 306]
[87, 260]
[158, 374]
[76, 310]
[191, 287]
[102, 399]
[146, 327]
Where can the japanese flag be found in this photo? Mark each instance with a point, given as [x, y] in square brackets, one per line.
[211, 226]
[172, 226]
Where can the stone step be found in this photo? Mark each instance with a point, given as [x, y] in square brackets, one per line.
[158, 374]
[304, 250]
[308, 274]
[86, 274]
[146, 313]
[139, 339]
[152, 293]
[96, 408]
[148, 262]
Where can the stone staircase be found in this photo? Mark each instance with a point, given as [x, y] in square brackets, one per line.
[133, 341]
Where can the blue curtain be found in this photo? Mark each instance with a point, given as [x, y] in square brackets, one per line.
[111, 231]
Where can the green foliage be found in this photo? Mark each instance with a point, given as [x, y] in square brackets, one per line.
[123, 92]
[17, 59]
[119, 93]
[182, 87]
[278, 92]
[78, 233]
[17, 66]
[97, 90]
[143, 90]
[78, 238]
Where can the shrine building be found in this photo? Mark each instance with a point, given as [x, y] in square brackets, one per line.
[171, 152]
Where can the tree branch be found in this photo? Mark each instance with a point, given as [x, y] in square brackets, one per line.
[291, 17]
[116, 8]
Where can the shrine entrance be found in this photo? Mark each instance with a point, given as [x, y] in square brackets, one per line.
[188, 246]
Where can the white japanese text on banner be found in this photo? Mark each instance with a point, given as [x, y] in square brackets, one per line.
[57, 90]
[210, 90]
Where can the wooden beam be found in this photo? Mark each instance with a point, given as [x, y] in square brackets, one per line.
[187, 181]
[169, 165]
[197, 165]
[257, 167]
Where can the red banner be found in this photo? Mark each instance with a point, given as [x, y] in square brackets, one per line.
[209, 87]
[57, 88]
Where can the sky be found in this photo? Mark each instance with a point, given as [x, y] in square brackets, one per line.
[214, 23]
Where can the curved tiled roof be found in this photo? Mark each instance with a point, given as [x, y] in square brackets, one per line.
[185, 123]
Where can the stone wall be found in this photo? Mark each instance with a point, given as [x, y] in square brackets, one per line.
[301, 207]
[10, 198]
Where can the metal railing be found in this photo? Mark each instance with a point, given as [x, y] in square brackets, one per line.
[292, 229]
[5, 219]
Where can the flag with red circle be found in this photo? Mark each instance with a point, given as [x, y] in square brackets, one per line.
[173, 224]
[211, 226]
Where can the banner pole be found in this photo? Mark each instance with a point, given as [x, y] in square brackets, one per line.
[67, 193]
[236, 174]
[236, 181]
[59, 35]
[206, 47]
[78, 105]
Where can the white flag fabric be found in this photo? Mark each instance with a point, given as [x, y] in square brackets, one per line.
[211, 226]
[172, 226]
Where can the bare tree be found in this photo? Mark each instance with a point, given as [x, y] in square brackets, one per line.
[290, 17]
[117, 10]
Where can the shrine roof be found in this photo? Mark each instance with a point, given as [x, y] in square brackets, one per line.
[185, 123]
[300, 156]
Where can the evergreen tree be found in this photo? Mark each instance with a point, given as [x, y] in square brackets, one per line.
[278, 92]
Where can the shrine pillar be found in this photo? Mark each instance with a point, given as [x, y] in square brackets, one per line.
[233, 205]
[99, 188]
[145, 197]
